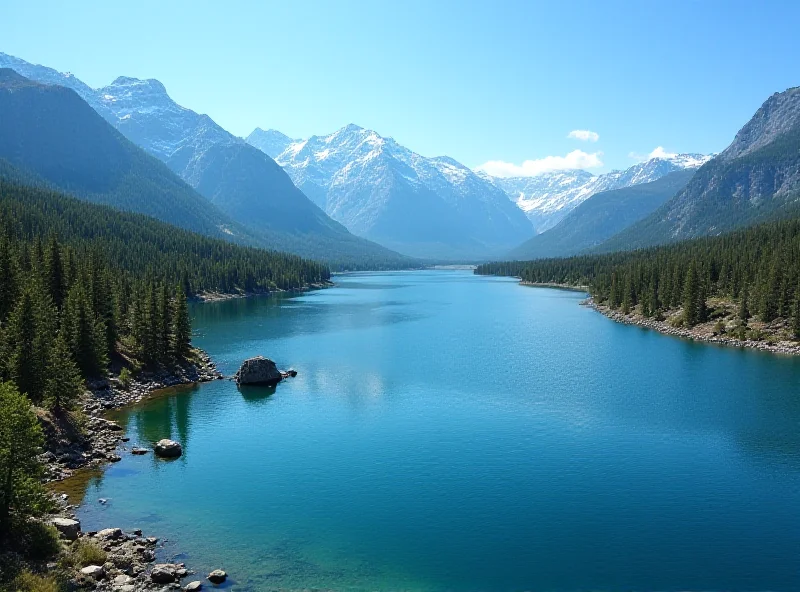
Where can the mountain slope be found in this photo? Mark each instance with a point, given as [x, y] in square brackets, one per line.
[601, 216]
[756, 178]
[428, 207]
[243, 182]
[548, 198]
[270, 142]
[49, 131]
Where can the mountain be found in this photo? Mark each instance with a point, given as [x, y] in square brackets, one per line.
[601, 216]
[548, 197]
[51, 134]
[426, 207]
[756, 178]
[270, 142]
[242, 181]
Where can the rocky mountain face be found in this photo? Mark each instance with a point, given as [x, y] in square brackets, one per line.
[601, 216]
[547, 198]
[426, 207]
[50, 135]
[240, 180]
[756, 178]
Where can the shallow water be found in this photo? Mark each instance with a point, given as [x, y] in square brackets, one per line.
[455, 432]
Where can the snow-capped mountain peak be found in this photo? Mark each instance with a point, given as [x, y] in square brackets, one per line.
[382, 190]
[547, 198]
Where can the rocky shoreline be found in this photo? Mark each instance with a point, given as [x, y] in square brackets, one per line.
[223, 296]
[702, 332]
[127, 555]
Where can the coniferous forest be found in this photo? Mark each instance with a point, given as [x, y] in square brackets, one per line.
[758, 268]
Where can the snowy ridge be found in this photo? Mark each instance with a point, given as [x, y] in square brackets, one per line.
[382, 190]
[547, 198]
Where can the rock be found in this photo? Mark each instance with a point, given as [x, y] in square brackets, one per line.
[67, 527]
[194, 586]
[258, 370]
[139, 451]
[103, 501]
[93, 571]
[168, 448]
[163, 573]
[217, 576]
[122, 580]
[109, 533]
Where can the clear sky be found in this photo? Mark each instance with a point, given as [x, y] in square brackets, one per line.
[478, 81]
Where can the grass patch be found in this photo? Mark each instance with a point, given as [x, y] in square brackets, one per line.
[82, 553]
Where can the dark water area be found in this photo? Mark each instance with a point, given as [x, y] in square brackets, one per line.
[454, 432]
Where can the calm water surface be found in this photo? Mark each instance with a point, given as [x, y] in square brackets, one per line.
[454, 432]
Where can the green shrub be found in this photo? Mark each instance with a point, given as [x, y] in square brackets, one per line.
[31, 582]
[36, 540]
[125, 377]
[719, 328]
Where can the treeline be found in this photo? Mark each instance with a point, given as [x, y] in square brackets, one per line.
[757, 267]
[148, 248]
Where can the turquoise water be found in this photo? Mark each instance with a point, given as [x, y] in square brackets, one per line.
[455, 432]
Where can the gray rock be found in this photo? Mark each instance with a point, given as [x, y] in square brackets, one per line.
[122, 580]
[109, 533]
[67, 527]
[258, 370]
[139, 450]
[93, 571]
[194, 586]
[168, 448]
[163, 573]
[217, 576]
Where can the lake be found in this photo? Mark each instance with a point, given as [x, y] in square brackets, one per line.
[455, 432]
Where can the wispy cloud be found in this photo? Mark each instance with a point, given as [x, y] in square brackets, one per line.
[577, 159]
[584, 135]
[658, 152]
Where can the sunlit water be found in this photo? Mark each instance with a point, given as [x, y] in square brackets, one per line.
[454, 432]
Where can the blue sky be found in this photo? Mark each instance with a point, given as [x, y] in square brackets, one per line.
[478, 81]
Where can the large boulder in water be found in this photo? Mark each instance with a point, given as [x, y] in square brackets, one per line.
[258, 370]
[168, 448]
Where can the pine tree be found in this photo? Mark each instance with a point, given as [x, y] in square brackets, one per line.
[64, 384]
[21, 492]
[744, 308]
[83, 333]
[796, 315]
[54, 272]
[181, 325]
[690, 296]
[26, 358]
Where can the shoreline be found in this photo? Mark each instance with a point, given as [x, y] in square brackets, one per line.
[696, 333]
[130, 557]
[223, 296]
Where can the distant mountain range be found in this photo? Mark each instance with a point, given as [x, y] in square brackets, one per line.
[756, 178]
[602, 216]
[548, 198]
[241, 181]
[426, 207]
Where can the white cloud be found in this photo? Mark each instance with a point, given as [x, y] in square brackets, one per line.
[584, 135]
[577, 159]
[658, 152]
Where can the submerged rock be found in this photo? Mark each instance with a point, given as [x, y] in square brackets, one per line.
[194, 586]
[168, 448]
[258, 371]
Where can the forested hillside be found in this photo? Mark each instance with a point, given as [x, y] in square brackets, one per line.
[601, 216]
[758, 268]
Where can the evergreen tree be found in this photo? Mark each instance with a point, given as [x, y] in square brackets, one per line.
[796, 315]
[21, 492]
[744, 309]
[54, 272]
[25, 348]
[691, 292]
[64, 384]
[181, 325]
